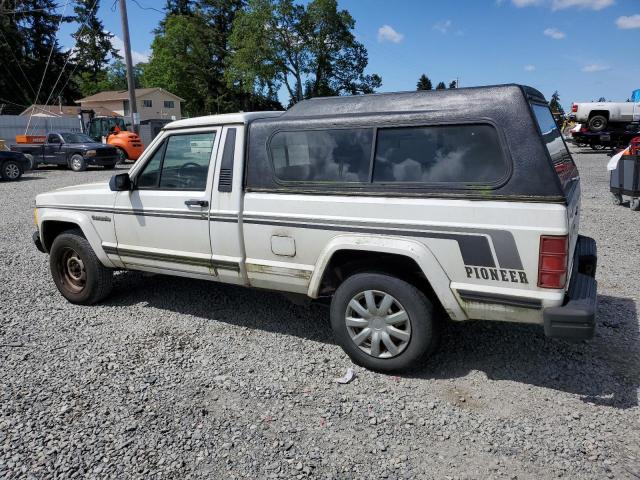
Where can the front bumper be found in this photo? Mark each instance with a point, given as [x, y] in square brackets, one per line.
[576, 318]
[101, 160]
[38, 242]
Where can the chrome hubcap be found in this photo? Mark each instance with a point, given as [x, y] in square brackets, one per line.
[12, 171]
[76, 163]
[378, 324]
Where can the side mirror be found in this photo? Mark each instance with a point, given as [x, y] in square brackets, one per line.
[120, 183]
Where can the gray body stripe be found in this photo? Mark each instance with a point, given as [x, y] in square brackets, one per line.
[200, 262]
[474, 247]
[510, 300]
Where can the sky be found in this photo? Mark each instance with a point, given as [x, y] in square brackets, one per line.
[584, 49]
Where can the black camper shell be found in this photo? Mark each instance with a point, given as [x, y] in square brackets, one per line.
[529, 172]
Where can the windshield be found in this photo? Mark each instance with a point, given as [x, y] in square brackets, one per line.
[76, 138]
[562, 161]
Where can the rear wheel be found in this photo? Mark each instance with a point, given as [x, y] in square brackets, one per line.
[597, 123]
[11, 170]
[383, 323]
[634, 204]
[77, 271]
[77, 163]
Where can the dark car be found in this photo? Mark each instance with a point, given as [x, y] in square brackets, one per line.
[75, 150]
[13, 165]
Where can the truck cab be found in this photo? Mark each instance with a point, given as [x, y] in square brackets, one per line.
[401, 210]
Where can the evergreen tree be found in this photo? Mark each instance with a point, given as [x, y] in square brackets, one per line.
[34, 50]
[424, 83]
[93, 46]
[441, 86]
[453, 84]
[554, 104]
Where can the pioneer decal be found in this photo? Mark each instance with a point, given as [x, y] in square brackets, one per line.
[496, 274]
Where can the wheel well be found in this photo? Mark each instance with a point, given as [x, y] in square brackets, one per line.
[51, 229]
[604, 113]
[345, 263]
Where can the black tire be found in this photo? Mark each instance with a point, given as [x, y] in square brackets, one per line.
[77, 163]
[634, 204]
[597, 123]
[11, 170]
[122, 155]
[422, 326]
[77, 271]
[617, 199]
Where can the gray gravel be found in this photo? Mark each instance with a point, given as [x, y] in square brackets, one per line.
[182, 378]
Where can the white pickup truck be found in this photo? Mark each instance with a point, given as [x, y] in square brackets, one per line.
[600, 115]
[400, 209]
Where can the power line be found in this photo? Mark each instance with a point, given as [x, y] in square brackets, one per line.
[18, 12]
[146, 8]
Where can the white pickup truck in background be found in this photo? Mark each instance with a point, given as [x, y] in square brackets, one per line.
[600, 115]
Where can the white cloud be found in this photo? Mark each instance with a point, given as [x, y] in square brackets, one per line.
[582, 4]
[529, 68]
[136, 57]
[387, 33]
[564, 4]
[632, 21]
[443, 26]
[526, 3]
[595, 67]
[554, 33]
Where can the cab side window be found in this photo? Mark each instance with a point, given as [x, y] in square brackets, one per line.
[53, 138]
[180, 163]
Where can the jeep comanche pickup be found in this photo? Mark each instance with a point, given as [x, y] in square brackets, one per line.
[402, 209]
[75, 150]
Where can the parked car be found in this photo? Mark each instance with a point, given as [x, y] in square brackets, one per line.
[402, 209]
[598, 116]
[75, 150]
[12, 164]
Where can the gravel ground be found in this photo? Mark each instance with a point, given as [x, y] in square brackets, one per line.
[181, 378]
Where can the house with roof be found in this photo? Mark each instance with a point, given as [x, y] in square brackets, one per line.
[152, 103]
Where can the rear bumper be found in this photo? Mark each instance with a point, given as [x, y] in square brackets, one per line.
[576, 318]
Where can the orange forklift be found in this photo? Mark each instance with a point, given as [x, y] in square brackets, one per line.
[112, 131]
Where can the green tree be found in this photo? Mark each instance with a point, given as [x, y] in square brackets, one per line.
[441, 86]
[555, 105]
[453, 84]
[93, 47]
[311, 50]
[424, 83]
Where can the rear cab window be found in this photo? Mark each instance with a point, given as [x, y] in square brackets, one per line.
[560, 156]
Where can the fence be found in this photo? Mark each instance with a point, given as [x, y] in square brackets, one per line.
[12, 125]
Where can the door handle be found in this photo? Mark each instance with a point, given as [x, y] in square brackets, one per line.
[194, 203]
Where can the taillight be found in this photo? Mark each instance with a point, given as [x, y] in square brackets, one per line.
[634, 148]
[574, 108]
[552, 264]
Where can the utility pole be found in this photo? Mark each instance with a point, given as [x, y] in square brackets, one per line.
[131, 82]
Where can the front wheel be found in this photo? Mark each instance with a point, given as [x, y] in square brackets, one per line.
[634, 204]
[617, 199]
[11, 170]
[77, 163]
[383, 323]
[77, 271]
